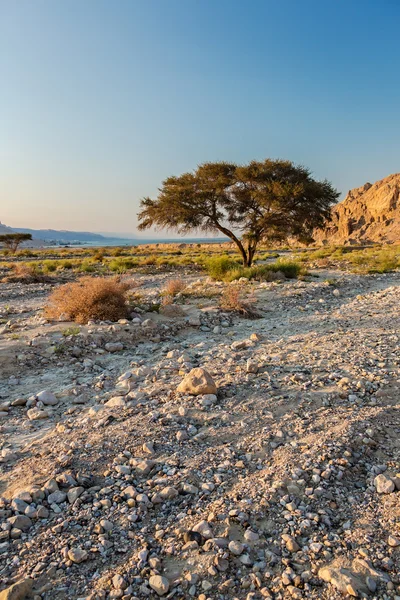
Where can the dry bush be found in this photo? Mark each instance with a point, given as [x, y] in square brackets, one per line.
[233, 299]
[166, 300]
[173, 287]
[98, 298]
[23, 273]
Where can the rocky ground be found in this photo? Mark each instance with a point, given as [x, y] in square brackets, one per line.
[273, 472]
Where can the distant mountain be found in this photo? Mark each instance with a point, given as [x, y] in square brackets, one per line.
[4, 229]
[48, 235]
[370, 213]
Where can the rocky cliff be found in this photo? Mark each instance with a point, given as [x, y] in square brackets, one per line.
[370, 213]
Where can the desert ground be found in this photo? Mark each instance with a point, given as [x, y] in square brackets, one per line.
[273, 472]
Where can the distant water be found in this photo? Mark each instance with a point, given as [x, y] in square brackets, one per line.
[127, 242]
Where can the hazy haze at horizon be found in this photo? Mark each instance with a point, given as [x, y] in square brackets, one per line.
[101, 101]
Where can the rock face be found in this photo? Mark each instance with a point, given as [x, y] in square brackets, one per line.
[197, 382]
[370, 213]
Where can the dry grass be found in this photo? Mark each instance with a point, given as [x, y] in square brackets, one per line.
[98, 298]
[26, 273]
[234, 299]
[173, 287]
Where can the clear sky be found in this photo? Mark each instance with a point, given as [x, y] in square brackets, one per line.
[101, 100]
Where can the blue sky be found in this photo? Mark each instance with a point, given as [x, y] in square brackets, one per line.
[100, 101]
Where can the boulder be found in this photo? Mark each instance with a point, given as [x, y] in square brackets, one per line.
[77, 555]
[197, 383]
[116, 401]
[172, 310]
[20, 522]
[384, 484]
[114, 347]
[47, 398]
[17, 591]
[159, 584]
[35, 414]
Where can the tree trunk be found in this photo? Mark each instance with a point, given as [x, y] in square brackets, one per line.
[238, 243]
[251, 250]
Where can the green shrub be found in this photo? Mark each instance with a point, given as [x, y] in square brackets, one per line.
[218, 266]
[290, 268]
[65, 263]
[87, 267]
[49, 266]
[121, 265]
[270, 272]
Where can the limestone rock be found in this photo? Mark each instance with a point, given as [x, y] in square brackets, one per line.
[115, 402]
[197, 382]
[17, 591]
[77, 555]
[159, 584]
[74, 493]
[370, 213]
[383, 484]
[47, 398]
[20, 522]
[355, 579]
[35, 414]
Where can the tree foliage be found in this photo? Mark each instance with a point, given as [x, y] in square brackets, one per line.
[268, 200]
[13, 240]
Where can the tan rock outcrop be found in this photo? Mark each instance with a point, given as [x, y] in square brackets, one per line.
[370, 213]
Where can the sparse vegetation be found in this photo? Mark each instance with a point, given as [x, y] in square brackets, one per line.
[228, 270]
[26, 273]
[372, 259]
[173, 287]
[89, 298]
[234, 298]
[71, 331]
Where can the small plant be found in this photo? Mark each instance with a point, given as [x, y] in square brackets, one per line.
[234, 299]
[89, 298]
[49, 266]
[121, 265]
[173, 287]
[87, 267]
[71, 331]
[98, 255]
[150, 260]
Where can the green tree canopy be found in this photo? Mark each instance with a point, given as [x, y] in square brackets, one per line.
[264, 200]
[13, 240]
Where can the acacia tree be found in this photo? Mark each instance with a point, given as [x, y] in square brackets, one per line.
[264, 200]
[13, 240]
